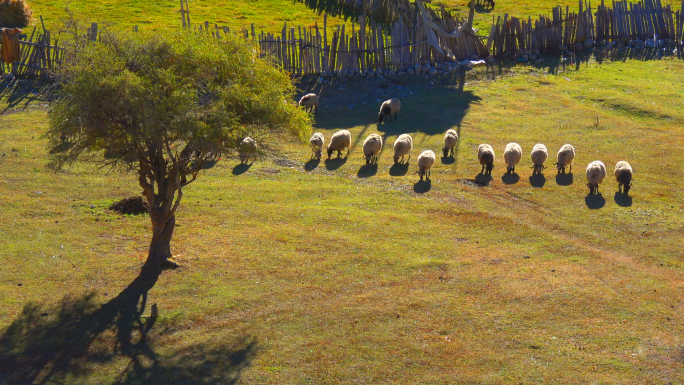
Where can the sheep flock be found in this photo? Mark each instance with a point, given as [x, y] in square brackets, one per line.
[403, 145]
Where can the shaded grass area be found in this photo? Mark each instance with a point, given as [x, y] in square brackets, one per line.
[304, 272]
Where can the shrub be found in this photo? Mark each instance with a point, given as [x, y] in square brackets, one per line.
[15, 13]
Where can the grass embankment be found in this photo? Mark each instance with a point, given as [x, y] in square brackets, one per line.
[349, 274]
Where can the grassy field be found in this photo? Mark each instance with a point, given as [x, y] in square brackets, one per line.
[300, 272]
[268, 15]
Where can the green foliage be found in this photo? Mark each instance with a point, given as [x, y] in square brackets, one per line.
[184, 96]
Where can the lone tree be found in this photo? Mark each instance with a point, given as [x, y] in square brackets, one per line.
[163, 107]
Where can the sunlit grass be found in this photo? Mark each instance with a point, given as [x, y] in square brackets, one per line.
[340, 275]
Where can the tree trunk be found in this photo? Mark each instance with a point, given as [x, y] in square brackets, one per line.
[160, 246]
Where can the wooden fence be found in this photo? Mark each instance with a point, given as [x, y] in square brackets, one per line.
[432, 38]
[400, 47]
[646, 20]
[40, 56]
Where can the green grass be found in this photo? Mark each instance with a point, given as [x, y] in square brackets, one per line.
[267, 15]
[339, 276]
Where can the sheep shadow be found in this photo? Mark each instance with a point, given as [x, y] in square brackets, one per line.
[448, 160]
[62, 147]
[312, 164]
[209, 164]
[241, 168]
[367, 170]
[537, 180]
[335, 163]
[563, 179]
[483, 179]
[422, 186]
[399, 169]
[622, 199]
[595, 202]
[510, 178]
[68, 341]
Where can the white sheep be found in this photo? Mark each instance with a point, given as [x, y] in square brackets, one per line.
[372, 147]
[539, 156]
[309, 101]
[485, 154]
[623, 174]
[565, 156]
[402, 146]
[389, 108]
[596, 171]
[425, 161]
[317, 141]
[338, 142]
[248, 149]
[450, 140]
[512, 155]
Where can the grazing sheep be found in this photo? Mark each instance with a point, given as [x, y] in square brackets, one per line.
[425, 161]
[623, 174]
[247, 149]
[565, 156]
[402, 146]
[372, 147]
[512, 155]
[596, 171]
[450, 140]
[485, 154]
[338, 142]
[539, 156]
[317, 141]
[309, 101]
[389, 108]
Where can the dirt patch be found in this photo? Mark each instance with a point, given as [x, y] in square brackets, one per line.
[130, 205]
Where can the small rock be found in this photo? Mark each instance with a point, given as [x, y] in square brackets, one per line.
[392, 73]
[410, 71]
[539, 61]
[438, 66]
[432, 72]
[562, 48]
[474, 57]
[324, 74]
[524, 58]
[491, 60]
[402, 73]
[533, 57]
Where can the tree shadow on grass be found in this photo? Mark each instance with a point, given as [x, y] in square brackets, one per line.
[510, 178]
[537, 180]
[623, 200]
[422, 186]
[241, 168]
[71, 339]
[399, 169]
[563, 179]
[595, 201]
[335, 163]
[312, 164]
[368, 170]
